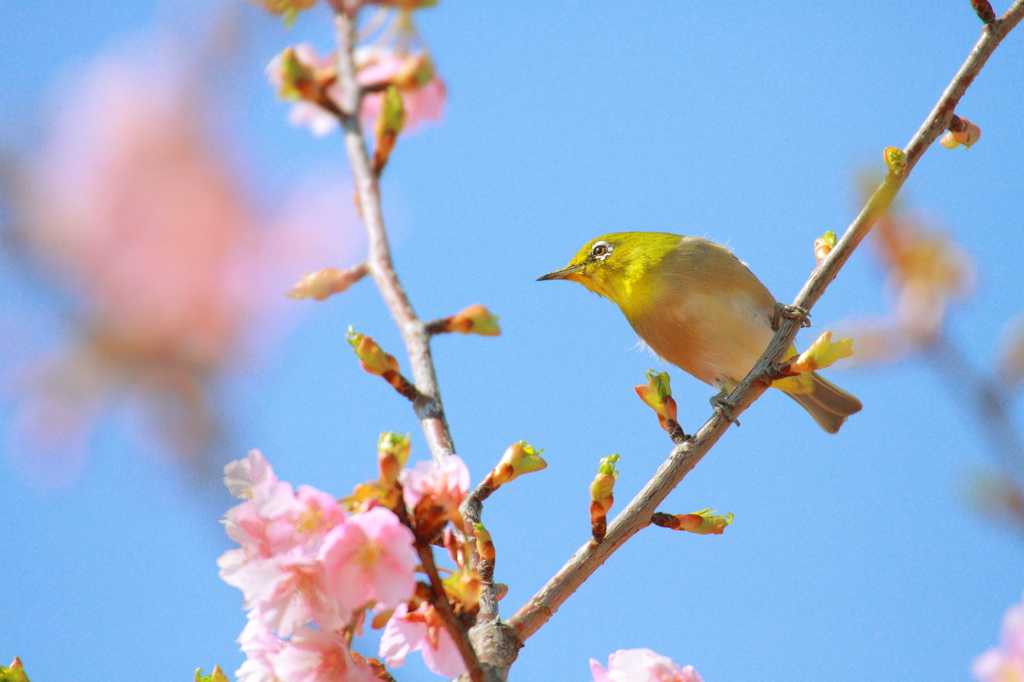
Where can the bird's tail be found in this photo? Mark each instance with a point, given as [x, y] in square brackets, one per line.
[826, 402]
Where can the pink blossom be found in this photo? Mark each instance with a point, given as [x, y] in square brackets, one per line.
[273, 519]
[423, 102]
[277, 566]
[262, 524]
[444, 484]
[369, 558]
[423, 92]
[261, 646]
[1006, 662]
[318, 656]
[314, 515]
[254, 479]
[131, 206]
[288, 591]
[423, 631]
[641, 665]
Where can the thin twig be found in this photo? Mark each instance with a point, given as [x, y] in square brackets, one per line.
[428, 406]
[451, 621]
[987, 398]
[684, 457]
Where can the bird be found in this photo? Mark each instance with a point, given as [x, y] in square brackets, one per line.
[700, 308]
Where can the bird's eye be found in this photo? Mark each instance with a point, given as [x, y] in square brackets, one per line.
[601, 250]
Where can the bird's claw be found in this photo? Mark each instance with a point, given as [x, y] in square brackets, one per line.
[722, 406]
[792, 312]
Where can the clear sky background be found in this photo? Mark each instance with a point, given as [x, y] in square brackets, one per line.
[852, 556]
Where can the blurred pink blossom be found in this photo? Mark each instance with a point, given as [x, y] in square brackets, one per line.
[423, 93]
[1005, 663]
[641, 665]
[132, 208]
[396, 58]
[421, 630]
[370, 559]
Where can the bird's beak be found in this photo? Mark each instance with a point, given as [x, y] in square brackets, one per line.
[564, 273]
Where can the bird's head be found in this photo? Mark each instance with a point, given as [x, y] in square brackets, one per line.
[618, 266]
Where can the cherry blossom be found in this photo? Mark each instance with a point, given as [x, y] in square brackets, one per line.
[317, 656]
[421, 630]
[369, 558]
[444, 485]
[261, 646]
[641, 665]
[394, 59]
[423, 92]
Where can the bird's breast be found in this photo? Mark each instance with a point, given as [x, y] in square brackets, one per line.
[716, 336]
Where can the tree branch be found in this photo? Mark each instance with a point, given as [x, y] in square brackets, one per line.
[428, 406]
[684, 457]
[451, 621]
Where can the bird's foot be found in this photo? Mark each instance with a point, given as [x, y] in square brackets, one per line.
[720, 402]
[792, 312]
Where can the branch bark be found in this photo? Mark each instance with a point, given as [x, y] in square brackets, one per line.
[539, 609]
[428, 406]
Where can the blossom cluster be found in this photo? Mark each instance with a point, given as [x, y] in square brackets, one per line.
[131, 210]
[310, 568]
[395, 58]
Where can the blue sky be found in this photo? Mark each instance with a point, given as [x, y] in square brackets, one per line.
[851, 556]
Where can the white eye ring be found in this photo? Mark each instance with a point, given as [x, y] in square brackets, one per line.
[601, 250]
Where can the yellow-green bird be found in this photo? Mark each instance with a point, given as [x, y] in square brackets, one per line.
[699, 307]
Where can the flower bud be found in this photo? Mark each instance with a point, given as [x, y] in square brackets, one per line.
[366, 496]
[295, 80]
[601, 498]
[392, 113]
[822, 353]
[704, 522]
[16, 673]
[389, 124]
[520, 458]
[463, 589]
[216, 676]
[895, 160]
[392, 454]
[476, 319]
[325, 282]
[984, 10]
[372, 357]
[657, 395]
[604, 482]
[484, 544]
[824, 244]
[961, 132]
[417, 71]
[288, 9]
